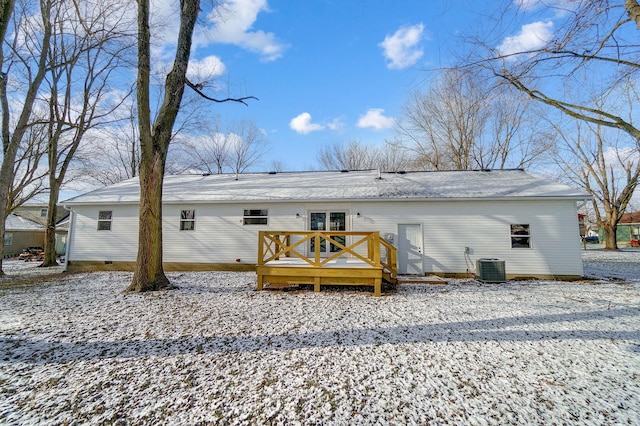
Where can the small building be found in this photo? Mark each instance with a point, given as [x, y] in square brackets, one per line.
[440, 222]
[37, 212]
[628, 232]
[21, 233]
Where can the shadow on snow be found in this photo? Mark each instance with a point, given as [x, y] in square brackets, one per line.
[31, 351]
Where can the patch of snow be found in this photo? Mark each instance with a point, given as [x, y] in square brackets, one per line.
[77, 349]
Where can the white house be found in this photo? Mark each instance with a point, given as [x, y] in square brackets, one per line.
[440, 222]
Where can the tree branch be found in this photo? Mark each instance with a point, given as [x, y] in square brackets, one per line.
[242, 100]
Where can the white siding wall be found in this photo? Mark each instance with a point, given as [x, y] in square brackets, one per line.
[219, 236]
[448, 227]
[118, 244]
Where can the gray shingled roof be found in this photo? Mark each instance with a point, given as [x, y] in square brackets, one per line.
[341, 186]
[17, 223]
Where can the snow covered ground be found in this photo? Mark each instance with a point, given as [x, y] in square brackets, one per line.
[75, 349]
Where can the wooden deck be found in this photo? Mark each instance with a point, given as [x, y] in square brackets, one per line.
[354, 258]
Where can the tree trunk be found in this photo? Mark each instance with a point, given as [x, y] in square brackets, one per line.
[154, 143]
[149, 274]
[50, 230]
[610, 235]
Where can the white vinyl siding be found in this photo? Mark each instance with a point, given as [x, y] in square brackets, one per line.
[483, 226]
[448, 227]
[119, 244]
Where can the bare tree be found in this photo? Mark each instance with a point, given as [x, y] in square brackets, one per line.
[277, 166]
[211, 152]
[25, 59]
[605, 168]
[357, 156]
[29, 174]
[462, 123]
[446, 122]
[236, 150]
[596, 38]
[87, 49]
[352, 156]
[247, 145]
[113, 155]
[155, 138]
[394, 157]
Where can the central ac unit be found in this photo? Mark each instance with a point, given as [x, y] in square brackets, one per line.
[490, 271]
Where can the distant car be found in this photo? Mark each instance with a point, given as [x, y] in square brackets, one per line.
[592, 239]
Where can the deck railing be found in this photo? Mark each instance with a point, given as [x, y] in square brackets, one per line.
[366, 246]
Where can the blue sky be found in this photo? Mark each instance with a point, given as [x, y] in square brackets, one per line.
[332, 71]
[325, 71]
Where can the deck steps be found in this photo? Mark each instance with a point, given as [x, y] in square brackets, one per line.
[416, 279]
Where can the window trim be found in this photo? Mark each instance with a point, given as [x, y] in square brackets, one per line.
[522, 236]
[185, 219]
[44, 210]
[255, 217]
[102, 220]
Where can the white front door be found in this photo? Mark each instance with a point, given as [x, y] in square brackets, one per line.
[327, 221]
[410, 249]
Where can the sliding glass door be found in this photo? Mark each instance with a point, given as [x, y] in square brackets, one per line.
[327, 221]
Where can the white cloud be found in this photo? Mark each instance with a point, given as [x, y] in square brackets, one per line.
[374, 118]
[532, 36]
[205, 69]
[527, 4]
[402, 49]
[233, 21]
[559, 7]
[336, 124]
[615, 157]
[302, 124]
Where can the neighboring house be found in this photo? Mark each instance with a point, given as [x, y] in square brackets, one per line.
[38, 213]
[21, 233]
[628, 229]
[440, 222]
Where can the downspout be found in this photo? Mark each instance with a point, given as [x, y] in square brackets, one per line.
[67, 249]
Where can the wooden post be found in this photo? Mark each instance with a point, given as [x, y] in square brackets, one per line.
[377, 287]
[260, 281]
[287, 241]
[317, 249]
[375, 255]
[261, 241]
[316, 284]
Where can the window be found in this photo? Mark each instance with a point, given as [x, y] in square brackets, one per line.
[331, 221]
[8, 239]
[255, 217]
[104, 220]
[520, 236]
[43, 212]
[188, 220]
